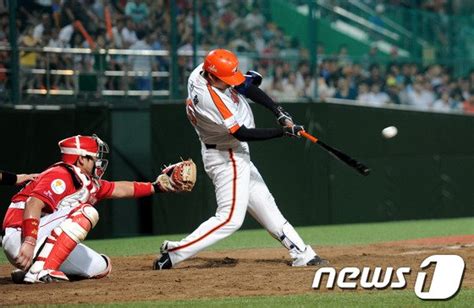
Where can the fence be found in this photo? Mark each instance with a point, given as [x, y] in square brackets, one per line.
[425, 172]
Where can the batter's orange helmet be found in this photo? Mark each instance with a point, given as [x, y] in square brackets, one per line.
[224, 65]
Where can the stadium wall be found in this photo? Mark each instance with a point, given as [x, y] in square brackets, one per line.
[424, 172]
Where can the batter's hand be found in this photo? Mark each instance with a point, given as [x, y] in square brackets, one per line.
[25, 256]
[293, 131]
[284, 118]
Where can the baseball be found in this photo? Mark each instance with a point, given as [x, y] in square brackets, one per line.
[389, 132]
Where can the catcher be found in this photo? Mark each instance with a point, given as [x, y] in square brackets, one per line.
[50, 217]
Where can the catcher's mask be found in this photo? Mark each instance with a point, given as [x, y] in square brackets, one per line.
[74, 147]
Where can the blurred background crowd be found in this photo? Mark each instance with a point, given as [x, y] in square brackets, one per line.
[289, 70]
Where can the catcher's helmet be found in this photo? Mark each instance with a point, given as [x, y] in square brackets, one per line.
[73, 147]
[224, 65]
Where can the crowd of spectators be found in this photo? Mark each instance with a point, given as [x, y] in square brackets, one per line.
[241, 26]
[137, 25]
[369, 82]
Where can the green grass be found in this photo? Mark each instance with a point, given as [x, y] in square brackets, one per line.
[404, 298]
[351, 234]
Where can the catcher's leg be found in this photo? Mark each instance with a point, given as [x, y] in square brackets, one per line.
[83, 262]
[263, 208]
[61, 243]
[230, 173]
[12, 239]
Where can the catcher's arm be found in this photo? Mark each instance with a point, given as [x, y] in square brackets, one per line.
[179, 177]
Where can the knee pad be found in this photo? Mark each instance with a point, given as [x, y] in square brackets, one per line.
[64, 238]
[80, 222]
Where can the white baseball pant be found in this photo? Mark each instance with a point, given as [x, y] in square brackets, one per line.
[82, 261]
[239, 188]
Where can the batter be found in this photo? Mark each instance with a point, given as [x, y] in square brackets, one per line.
[218, 109]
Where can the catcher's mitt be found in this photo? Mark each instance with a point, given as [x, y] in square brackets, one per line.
[178, 177]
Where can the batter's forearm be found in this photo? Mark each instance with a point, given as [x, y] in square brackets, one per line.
[255, 134]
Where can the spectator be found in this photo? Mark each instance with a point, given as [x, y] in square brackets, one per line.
[325, 90]
[257, 40]
[129, 36]
[343, 56]
[73, 10]
[445, 103]
[377, 97]
[419, 95]
[468, 106]
[463, 84]
[343, 90]
[137, 10]
[375, 75]
[290, 89]
[28, 59]
[309, 89]
[45, 24]
[254, 19]
[393, 90]
[142, 65]
[364, 94]
[117, 33]
[65, 35]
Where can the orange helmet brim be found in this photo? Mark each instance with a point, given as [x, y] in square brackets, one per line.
[234, 80]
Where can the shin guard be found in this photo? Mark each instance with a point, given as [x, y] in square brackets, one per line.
[64, 239]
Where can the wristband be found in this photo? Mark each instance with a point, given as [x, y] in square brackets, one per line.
[29, 242]
[142, 189]
[8, 178]
[30, 228]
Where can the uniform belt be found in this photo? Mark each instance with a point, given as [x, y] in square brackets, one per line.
[210, 146]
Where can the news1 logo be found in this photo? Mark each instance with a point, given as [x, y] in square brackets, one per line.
[445, 283]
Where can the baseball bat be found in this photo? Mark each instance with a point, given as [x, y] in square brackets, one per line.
[351, 162]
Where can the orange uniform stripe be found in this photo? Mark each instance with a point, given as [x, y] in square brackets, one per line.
[234, 128]
[234, 193]
[224, 111]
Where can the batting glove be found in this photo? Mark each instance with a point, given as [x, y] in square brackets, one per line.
[293, 131]
[283, 117]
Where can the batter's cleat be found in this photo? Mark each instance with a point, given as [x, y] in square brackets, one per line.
[164, 247]
[302, 258]
[18, 276]
[317, 261]
[164, 262]
[45, 276]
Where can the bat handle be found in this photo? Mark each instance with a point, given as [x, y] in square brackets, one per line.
[309, 137]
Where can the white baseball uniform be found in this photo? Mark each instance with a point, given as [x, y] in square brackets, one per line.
[239, 186]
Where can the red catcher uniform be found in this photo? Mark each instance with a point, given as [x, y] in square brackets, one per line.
[68, 215]
[59, 186]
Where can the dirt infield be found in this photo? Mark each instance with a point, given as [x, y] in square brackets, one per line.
[231, 273]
